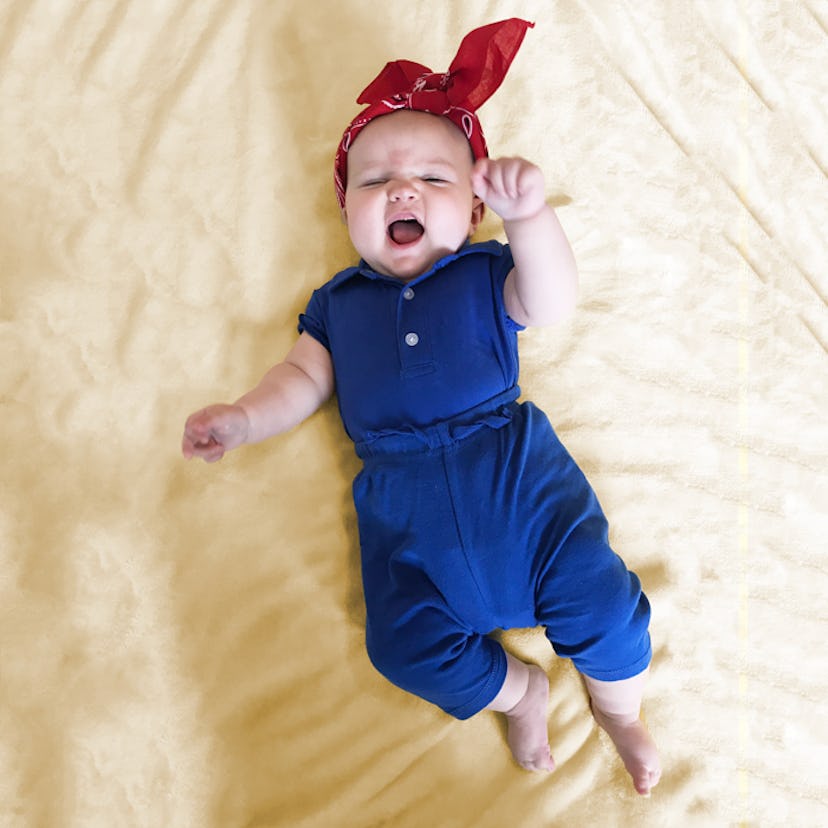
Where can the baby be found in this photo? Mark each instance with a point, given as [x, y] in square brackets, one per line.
[472, 516]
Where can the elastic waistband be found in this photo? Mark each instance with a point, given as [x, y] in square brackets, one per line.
[494, 413]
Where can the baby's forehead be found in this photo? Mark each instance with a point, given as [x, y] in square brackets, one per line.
[407, 131]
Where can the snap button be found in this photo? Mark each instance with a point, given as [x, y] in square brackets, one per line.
[408, 293]
[411, 339]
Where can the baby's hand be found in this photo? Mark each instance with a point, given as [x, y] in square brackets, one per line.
[214, 430]
[513, 187]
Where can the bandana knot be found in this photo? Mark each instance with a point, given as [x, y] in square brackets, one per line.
[476, 72]
[432, 80]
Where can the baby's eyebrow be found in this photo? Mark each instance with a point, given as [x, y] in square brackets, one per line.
[381, 170]
[440, 162]
[385, 170]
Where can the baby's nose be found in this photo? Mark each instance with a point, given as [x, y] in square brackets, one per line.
[402, 190]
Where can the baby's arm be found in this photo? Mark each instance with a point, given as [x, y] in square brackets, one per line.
[543, 286]
[288, 393]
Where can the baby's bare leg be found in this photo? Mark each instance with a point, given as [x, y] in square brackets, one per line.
[616, 706]
[523, 698]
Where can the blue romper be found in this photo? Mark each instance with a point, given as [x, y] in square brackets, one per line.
[472, 515]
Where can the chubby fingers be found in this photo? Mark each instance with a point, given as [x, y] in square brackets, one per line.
[199, 438]
[210, 451]
[497, 176]
[513, 187]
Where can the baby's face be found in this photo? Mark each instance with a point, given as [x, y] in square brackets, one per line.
[409, 198]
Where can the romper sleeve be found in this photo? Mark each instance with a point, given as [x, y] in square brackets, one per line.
[314, 319]
[501, 267]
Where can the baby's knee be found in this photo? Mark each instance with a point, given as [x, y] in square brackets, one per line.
[407, 658]
[383, 655]
[611, 641]
[458, 672]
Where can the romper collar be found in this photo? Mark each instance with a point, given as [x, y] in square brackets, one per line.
[491, 248]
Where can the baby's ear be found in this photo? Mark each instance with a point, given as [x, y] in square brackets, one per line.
[478, 211]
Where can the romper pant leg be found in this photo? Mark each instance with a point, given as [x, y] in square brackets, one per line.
[415, 641]
[593, 608]
[538, 541]
[414, 635]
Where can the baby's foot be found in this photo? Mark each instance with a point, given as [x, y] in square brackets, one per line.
[636, 748]
[527, 736]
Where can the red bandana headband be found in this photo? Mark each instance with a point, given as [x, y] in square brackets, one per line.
[476, 72]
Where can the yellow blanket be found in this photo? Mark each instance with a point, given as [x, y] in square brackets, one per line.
[182, 644]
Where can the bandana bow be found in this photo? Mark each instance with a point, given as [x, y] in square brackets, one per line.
[476, 72]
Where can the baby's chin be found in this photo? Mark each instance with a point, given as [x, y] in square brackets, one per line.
[407, 271]
[410, 264]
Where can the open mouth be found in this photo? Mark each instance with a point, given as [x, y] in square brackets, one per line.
[405, 231]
